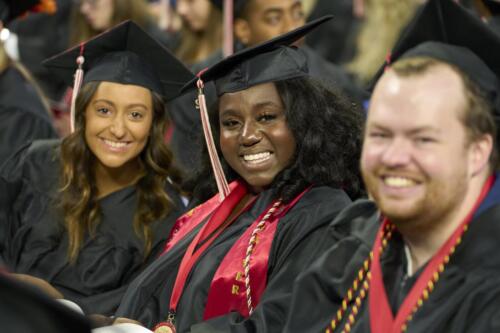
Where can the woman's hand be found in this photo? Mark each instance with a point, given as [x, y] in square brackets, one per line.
[41, 284]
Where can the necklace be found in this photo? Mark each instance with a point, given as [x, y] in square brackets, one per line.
[251, 246]
[362, 284]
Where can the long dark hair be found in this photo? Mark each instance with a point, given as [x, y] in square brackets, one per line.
[78, 192]
[328, 133]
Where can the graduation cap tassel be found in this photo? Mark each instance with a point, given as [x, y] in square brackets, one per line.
[76, 86]
[220, 178]
[228, 44]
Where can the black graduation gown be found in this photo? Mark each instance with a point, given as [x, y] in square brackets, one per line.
[24, 309]
[295, 244]
[465, 299]
[23, 117]
[187, 138]
[334, 40]
[35, 244]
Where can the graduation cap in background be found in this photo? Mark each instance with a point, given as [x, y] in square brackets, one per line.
[446, 31]
[11, 9]
[124, 54]
[271, 61]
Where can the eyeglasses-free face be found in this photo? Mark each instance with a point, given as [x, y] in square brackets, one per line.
[254, 135]
[118, 121]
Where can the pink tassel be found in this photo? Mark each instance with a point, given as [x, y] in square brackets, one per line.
[76, 87]
[228, 44]
[220, 178]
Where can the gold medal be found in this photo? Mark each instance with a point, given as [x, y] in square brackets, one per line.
[164, 327]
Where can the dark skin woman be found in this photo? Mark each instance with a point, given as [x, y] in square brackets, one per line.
[293, 141]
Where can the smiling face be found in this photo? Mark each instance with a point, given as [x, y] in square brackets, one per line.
[118, 121]
[254, 136]
[416, 160]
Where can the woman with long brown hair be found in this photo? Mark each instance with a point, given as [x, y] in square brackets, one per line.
[201, 31]
[86, 214]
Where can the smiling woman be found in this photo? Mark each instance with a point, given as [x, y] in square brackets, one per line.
[88, 213]
[118, 120]
[254, 136]
[290, 147]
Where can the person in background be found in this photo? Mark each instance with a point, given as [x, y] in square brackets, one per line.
[40, 36]
[86, 214]
[201, 32]
[335, 41]
[91, 17]
[423, 256]
[289, 147]
[383, 23]
[24, 111]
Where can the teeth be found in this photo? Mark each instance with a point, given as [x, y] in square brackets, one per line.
[255, 158]
[115, 144]
[399, 182]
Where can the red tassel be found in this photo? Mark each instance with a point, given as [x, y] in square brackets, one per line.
[228, 40]
[76, 87]
[220, 178]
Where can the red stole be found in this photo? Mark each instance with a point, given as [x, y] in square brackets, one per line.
[381, 317]
[223, 297]
[227, 291]
[190, 220]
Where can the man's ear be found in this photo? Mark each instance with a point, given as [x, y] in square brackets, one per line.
[242, 30]
[480, 153]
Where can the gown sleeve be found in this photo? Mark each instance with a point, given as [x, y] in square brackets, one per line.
[11, 182]
[487, 318]
[327, 279]
[300, 240]
[111, 262]
[18, 127]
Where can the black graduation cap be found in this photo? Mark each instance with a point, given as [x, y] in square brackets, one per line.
[10, 9]
[124, 54]
[448, 32]
[270, 61]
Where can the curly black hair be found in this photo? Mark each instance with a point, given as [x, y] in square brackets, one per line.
[328, 132]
